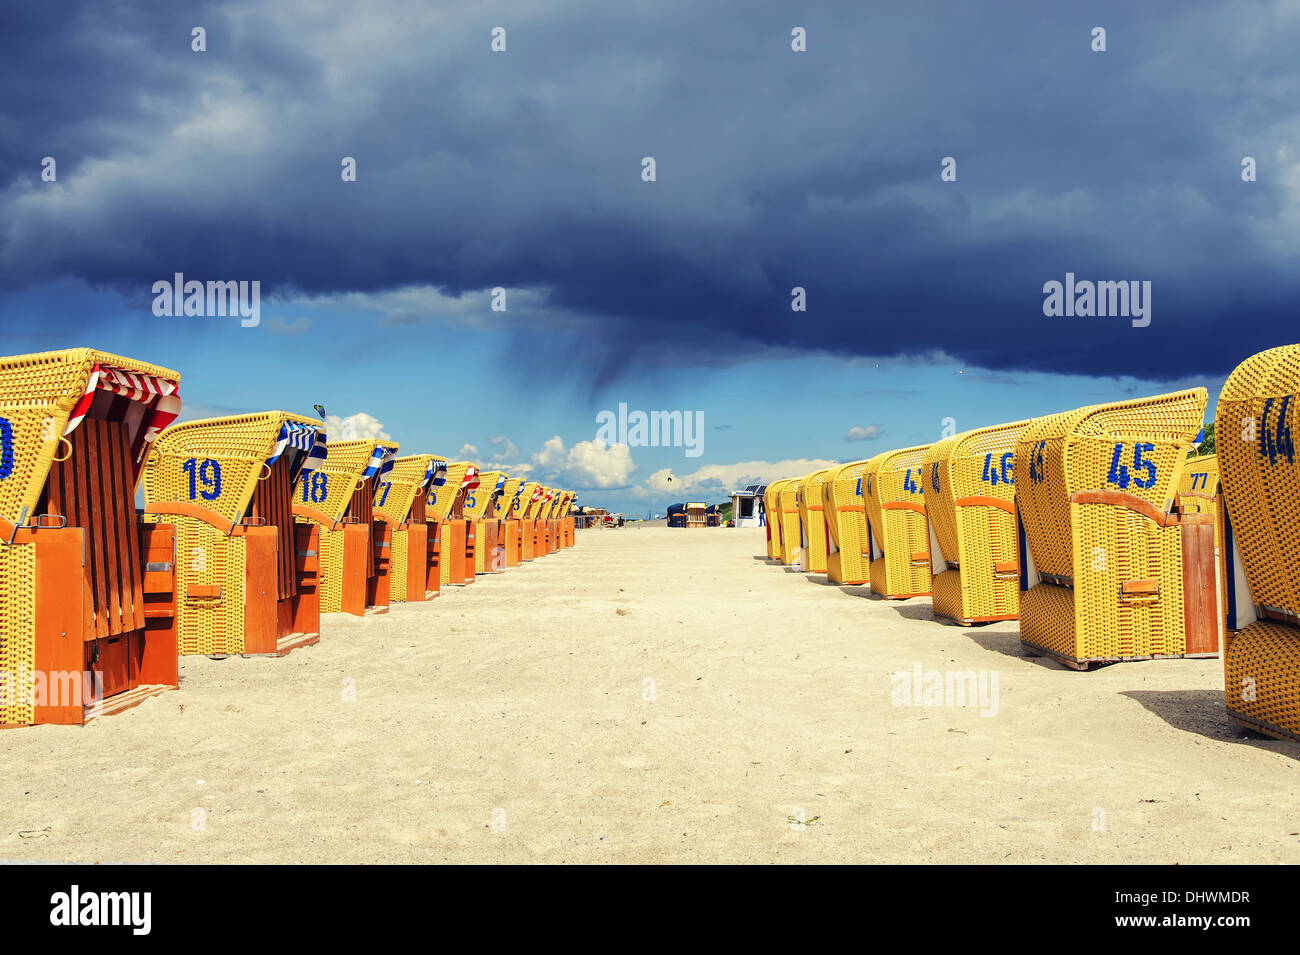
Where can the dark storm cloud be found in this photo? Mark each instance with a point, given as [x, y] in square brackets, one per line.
[775, 168]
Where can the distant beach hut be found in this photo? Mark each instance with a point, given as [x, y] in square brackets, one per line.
[247, 574]
[747, 506]
[338, 496]
[695, 514]
[676, 515]
[87, 593]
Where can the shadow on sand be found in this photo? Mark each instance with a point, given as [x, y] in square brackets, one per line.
[1202, 712]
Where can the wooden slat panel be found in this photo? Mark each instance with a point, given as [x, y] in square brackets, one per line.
[90, 510]
[134, 577]
[105, 536]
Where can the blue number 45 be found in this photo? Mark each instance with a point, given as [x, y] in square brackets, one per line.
[1119, 472]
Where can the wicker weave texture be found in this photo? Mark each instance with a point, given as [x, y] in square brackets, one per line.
[895, 505]
[176, 469]
[37, 395]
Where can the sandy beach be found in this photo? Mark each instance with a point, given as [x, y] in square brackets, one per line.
[655, 695]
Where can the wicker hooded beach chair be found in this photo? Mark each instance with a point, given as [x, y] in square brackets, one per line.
[846, 524]
[338, 497]
[772, 519]
[87, 592]
[788, 505]
[1256, 421]
[812, 520]
[509, 504]
[485, 539]
[1108, 570]
[898, 536]
[449, 489]
[969, 490]
[247, 574]
[402, 499]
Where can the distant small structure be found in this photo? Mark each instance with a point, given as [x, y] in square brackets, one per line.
[676, 515]
[747, 506]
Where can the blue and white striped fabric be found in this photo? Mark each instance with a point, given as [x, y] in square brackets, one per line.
[501, 484]
[434, 468]
[319, 449]
[381, 462]
[295, 435]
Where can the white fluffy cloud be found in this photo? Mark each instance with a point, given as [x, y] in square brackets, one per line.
[588, 465]
[860, 433]
[355, 427]
[467, 452]
[505, 449]
[719, 480]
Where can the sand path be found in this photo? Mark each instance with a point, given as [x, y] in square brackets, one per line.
[655, 695]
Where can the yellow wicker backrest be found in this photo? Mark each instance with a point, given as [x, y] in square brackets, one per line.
[442, 497]
[1255, 424]
[1199, 485]
[402, 485]
[477, 501]
[37, 395]
[843, 488]
[772, 502]
[511, 504]
[1138, 447]
[178, 469]
[892, 477]
[973, 464]
[344, 464]
[789, 494]
[810, 493]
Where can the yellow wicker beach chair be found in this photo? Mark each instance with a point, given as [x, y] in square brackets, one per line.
[541, 505]
[970, 505]
[529, 494]
[511, 507]
[898, 536]
[1108, 571]
[401, 497]
[695, 513]
[846, 524]
[1255, 423]
[446, 507]
[788, 515]
[772, 519]
[338, 497]
[567, 525]
[87, 592]
[247, 575]
[812, 520]
[488, 547]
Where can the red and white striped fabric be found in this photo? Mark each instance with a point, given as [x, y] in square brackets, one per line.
[550, 495]
[537, 493]
[470, 480]
[151, 403]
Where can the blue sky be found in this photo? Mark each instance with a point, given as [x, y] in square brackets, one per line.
[774, 169]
